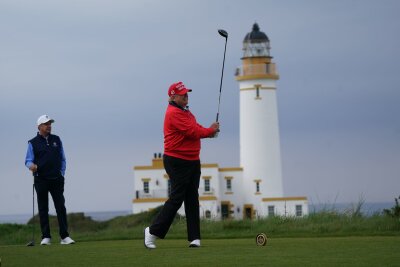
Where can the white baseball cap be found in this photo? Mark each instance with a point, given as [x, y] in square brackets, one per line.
[44, 119]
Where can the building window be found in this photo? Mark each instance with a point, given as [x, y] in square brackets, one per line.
[257, 86]
[229, 185]
[257, 187]
[271, 210]
[207, 185]
[299, 210]
[208, 214]
[146, 187]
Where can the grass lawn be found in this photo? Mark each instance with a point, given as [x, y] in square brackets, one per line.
[327, 251]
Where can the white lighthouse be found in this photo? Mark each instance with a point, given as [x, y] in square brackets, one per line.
[260, 155]
[259, 131]
[254, 189]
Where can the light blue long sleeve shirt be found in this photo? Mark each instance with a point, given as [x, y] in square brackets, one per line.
[30, 157]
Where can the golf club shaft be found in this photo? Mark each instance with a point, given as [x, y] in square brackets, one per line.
[222, 77]
[32, 243]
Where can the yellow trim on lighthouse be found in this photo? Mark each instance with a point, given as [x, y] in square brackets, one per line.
[257, 77]
[254, 88]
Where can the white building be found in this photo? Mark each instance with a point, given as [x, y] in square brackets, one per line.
[255, 188]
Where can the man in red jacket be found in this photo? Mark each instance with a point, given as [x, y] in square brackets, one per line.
[181, 159]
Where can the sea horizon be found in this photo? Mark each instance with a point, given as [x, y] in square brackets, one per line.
[367, 209]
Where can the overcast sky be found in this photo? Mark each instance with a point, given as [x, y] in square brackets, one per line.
[101, 69]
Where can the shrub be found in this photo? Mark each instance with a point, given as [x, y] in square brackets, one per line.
[395, 210]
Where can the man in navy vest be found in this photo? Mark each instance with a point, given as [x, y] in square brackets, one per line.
[46, 159]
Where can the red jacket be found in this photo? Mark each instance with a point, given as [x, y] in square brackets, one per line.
[182, 133]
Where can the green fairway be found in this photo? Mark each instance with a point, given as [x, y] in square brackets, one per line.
[335, 251]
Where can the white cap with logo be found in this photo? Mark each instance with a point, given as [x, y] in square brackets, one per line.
[44, 119]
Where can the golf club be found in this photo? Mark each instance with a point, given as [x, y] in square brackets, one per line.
[32, 242]
[224, 34]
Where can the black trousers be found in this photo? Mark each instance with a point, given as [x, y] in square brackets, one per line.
[56, 188]
[185, 179]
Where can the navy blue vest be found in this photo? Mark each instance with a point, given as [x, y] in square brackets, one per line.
[47, 154]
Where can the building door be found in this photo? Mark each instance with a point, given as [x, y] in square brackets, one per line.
[248, 212]
[224, 211]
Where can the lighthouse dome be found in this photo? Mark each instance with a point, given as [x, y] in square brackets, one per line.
[256, 36]
[256, 43]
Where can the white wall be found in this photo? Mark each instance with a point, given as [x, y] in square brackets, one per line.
[284, 208]
[259, 140]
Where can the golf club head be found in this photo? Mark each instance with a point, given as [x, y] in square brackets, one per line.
[223, 33]
[31, 244]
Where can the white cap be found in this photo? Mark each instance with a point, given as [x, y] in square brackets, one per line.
[44, 119]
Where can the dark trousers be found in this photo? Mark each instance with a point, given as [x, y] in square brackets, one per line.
[185, 178]
[56, 188]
